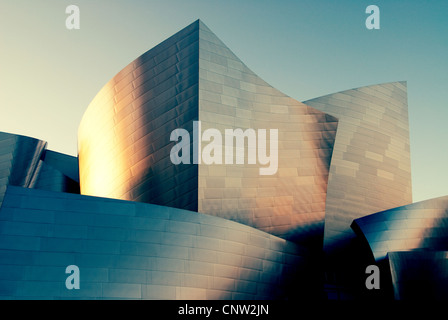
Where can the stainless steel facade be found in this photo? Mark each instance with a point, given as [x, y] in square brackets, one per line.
[175, 238]
[419, 275]
[370, 169]
[56, 172]
[132, 250]
[124, 139]
[417, 226]
[124, 136]
[26, 162]
[290, 203]
[19, 157]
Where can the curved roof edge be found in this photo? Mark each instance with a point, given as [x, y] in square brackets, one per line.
[403, 82]
[416, 226]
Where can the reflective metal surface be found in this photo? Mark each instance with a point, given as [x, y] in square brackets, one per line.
[370, 169]
[67, 165]
[421, 225]
[124, 136]
[19, 157]
[124, 139]
[56, 172]
[419, 275]
[188, 248]
[25, 162]
[131, 250]
[290, 203]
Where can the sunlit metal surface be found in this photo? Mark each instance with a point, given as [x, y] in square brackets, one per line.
[124, 136]
[124, 139]
[370, 169]
[132, 250]
[25, 162]
[421, 225]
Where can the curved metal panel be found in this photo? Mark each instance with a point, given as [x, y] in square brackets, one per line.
[25, 162]
[370, 169]
[134, 250]
[421, 225]
[124, 139]
[419, 275]
[289, 203]
[67, 165]
[49, 178]
[19, 158]
[124, 136]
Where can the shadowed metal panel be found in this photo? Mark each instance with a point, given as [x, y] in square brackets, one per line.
[421, 225]
[49, 178]
[370, 169]
[289, 203]
[67, 165]
[139, 251]
[419, 275]
[19, 157]
[25, 162]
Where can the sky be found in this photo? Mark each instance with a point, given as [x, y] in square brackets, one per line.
[304, 48]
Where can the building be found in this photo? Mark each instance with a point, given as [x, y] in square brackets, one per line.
[193, 76]
[139, 225]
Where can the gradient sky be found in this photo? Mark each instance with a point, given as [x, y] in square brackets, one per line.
[304, 48]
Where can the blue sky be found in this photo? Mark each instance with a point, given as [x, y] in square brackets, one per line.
[49, 75]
